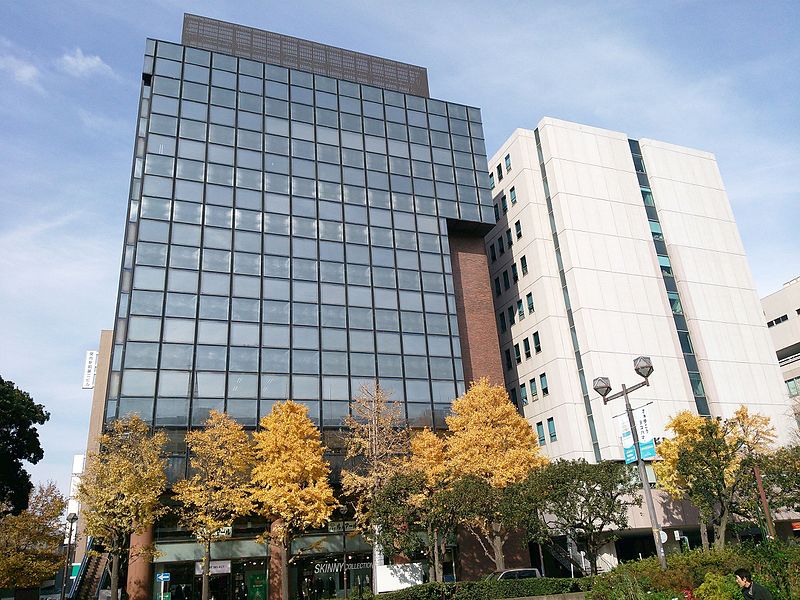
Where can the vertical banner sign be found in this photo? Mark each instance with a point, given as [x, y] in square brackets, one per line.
[647, 445]
[90, 369]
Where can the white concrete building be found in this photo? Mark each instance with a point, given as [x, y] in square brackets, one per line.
[782, 312]
[606, 249]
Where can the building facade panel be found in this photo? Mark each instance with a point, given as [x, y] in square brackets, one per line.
[782, 314]
[622, 273]
[287, 238]
[712, 272]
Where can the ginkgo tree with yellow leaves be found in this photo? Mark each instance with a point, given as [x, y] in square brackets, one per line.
[219, 490]
[474, 476]
[121, 487]
[709, 461]
[291, 485]
[491, 450]
[416, 510]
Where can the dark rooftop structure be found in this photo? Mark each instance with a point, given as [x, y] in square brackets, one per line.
[287, 51]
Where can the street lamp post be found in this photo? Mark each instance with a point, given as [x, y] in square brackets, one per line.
[602, 385]
[71, 519]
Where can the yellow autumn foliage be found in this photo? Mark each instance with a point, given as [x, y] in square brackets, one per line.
[219, 489]
[489, 439]
[32, 541]
[686, 429]
[428, 456]
[121, 486]
[290, 476]
[745, 435]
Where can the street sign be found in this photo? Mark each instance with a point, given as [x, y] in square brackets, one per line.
[162, 577]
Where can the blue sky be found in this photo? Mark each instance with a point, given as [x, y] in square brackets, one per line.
[720, 76]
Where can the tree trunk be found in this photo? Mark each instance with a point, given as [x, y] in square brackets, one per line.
[719, 531]
[704, 534]
[206, 567]
[278, 563]
[438, 575]
[592, 556]
[115, 576]
[433, 553]
[497, 548]
[541, 559]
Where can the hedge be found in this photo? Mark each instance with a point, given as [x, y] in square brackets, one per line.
[774, 565]
[483, 590]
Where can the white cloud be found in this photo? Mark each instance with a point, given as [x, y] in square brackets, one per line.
[103, 124]
[21, 70]
[78, 64]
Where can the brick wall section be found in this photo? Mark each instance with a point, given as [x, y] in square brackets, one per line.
[476, 319]
[480, 350]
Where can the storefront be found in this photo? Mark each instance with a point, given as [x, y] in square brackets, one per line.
[330, 576]
[240, 579]
[330, 563]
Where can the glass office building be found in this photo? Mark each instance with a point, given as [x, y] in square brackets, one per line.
[303, 220]
[287, 233]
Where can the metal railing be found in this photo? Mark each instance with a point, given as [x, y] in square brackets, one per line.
[81, 570]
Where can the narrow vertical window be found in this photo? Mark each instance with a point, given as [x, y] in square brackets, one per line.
[509, 238]
[492, 252]
[551, 429]
[504, 203]
[520, 309]
[534, 389]
[501, 317]
[517, 355]
[543, 384]
[496, 213]
[500, 245]
[497, 289]
[506, 282]
[512, 315]
[518, 229]
[514, 273]
[529, 298]
[508, 162]
[513, 195]
[523, 263]
[491, 180]
[499, 173]
[537, 346]
[526, 345]
[523, 394]
[540, 433]
[509, 364]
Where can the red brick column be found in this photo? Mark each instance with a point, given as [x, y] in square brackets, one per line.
[476, 319]
[140, 569]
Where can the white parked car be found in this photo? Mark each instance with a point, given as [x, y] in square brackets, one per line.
[514, 574]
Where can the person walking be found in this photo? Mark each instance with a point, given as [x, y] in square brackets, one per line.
[750, 589]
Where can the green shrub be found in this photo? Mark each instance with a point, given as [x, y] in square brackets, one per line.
[485, 590]
[717, 587]
[775, 565]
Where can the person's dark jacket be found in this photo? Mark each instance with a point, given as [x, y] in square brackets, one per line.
[756, 592]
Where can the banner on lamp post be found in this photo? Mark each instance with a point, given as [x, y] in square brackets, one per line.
[644, 428]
